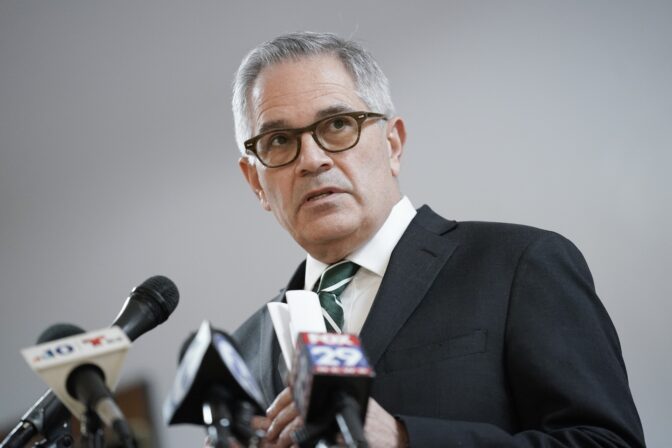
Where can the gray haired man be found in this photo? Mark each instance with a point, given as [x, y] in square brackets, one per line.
[481, 334]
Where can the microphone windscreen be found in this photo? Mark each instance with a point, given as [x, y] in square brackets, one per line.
[163, 291]
[58, 331]
[148, 305]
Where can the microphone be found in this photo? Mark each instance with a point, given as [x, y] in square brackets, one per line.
[331, 369]
[147, 306]
[48, 413]
[214, 388]
[81, 370]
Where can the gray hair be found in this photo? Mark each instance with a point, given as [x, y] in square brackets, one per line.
[372, 85]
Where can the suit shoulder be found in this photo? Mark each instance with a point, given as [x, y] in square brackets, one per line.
[500, 227]
[483, 231]
[517, 234]
[492, 238]
[511, 241]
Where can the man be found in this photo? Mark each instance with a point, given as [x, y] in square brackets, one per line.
[481, 334]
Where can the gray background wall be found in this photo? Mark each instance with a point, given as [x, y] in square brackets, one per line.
[117, 158]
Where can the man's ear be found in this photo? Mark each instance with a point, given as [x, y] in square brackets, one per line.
[396, 138]
[249, 169]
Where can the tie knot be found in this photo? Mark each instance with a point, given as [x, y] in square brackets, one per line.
[333, 281]
[336, 277]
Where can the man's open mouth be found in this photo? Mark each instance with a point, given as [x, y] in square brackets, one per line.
[319, 196]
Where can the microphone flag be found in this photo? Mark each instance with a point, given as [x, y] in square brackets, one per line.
[54, 361]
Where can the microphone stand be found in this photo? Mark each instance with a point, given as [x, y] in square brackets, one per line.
[242, 425]
[346, 412]
[92, 431]
[48, 417]
[349, 421]
[58, 437]
[229, 420]
[218, 421]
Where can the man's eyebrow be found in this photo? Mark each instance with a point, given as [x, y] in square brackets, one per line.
[275, 124]
[282, 124]
[333, 110]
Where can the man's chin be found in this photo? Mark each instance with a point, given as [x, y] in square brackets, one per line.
[329, 235]
[320, 233]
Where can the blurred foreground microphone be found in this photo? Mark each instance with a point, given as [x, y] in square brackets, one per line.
[331, 382]
[214, 388]
[48, 416]
[82, 370]
[148, 305]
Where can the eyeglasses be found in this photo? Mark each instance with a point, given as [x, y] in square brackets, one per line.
[335, 133]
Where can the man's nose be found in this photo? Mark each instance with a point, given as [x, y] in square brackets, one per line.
[312, 158]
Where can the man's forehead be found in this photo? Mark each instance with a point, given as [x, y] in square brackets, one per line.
[297, 91]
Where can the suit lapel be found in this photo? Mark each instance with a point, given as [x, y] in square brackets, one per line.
[264, 367]
[269, 350]
[414, 264]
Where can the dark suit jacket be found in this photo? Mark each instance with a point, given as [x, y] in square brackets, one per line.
[487, 335]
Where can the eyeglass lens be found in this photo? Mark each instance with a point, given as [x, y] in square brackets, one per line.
[333, 134]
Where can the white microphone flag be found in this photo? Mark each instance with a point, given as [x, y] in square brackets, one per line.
[54, 361]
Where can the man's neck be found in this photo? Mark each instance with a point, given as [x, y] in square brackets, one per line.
[337, 250]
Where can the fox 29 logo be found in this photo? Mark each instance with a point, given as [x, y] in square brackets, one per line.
[323, 355]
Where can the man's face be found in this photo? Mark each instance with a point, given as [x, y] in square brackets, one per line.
[331, 203]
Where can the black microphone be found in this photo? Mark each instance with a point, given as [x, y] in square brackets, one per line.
[214, 388]
[331, 383]
[147, 306]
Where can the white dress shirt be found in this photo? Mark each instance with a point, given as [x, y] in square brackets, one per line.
[372, 258]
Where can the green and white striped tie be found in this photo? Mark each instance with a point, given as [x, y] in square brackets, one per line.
[332, 283]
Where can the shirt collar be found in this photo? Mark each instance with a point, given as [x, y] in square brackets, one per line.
[375, 254]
